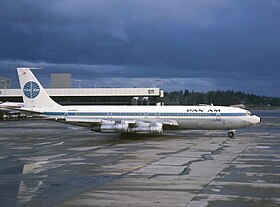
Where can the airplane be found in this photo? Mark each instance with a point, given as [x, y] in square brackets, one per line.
[131, 119]
[10, 108]
[10, 105]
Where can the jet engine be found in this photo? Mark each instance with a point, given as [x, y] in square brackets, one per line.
[111, 128]
[155, 129]
[124, 128]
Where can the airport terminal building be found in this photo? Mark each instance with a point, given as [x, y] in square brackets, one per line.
[94, 96]
[61, 91]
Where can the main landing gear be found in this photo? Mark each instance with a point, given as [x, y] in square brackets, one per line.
[231, 134]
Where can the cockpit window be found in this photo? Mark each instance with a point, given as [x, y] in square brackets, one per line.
[248, 113]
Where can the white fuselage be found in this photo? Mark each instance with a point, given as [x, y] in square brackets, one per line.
[187, 117]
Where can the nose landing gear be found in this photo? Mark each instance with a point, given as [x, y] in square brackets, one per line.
[231, 134]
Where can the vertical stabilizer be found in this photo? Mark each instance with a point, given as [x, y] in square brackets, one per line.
[34, 95]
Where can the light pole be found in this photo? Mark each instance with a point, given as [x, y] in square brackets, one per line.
[157, 83]
[79, 82]
[4, 84]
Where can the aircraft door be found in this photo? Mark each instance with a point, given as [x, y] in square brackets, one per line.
[218, 116]
[145, 115]
[157, 115]
[109, 115]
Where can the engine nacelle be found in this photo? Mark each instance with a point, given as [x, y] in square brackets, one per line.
[156, 129]
[111, 128]
[123, 127]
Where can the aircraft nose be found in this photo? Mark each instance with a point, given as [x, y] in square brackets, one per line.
[255, 119]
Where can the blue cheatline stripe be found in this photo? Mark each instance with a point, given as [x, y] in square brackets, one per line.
[111, 114]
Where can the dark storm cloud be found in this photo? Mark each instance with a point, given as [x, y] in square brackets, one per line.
[221, 40]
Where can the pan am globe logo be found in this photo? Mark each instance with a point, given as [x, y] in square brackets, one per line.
[31, 89]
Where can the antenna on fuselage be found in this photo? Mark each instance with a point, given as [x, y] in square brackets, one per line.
[34, 68]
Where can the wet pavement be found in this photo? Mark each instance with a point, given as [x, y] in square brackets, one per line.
[43, 163]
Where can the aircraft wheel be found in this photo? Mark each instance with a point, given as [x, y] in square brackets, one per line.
[230, 134]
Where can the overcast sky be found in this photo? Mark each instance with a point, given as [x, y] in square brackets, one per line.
[190, 44]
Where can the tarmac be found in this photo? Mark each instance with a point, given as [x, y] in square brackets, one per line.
[44, 163]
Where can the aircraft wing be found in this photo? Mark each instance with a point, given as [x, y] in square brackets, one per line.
[123, 125]
[130, 122]
[83, 120]
[170, 123]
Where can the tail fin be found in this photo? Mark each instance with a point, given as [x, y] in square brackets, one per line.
[34, 95]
